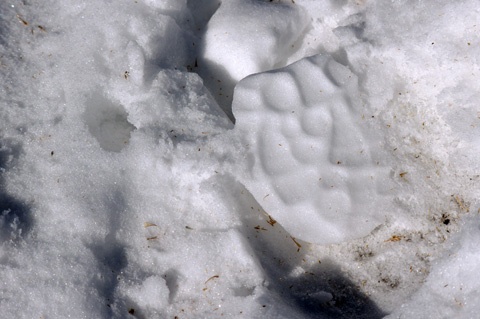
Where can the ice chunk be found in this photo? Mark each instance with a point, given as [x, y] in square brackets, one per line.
[315, 164]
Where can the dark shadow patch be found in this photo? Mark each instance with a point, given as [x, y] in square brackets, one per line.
[171, 278]
[319, 290]
[203, 11]
[15, 216]
[150, 72]
[243, 291]
[341, 57]
[107, 122]
[7, 11]
[323, 291]
[110, 255]
[15, 219]
[220, 84]
[111, 260]
[215, 77]
[338, 3]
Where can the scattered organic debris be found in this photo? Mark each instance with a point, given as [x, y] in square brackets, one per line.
[395, 238]
[148, 225]
[213, 277]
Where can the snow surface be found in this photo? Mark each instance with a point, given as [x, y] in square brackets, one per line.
[175, 159]
[312, 167]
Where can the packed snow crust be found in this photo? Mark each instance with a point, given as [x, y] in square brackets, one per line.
[151, 165]
[314, 165]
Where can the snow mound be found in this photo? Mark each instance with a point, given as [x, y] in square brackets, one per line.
[313, 161]
[264, 45]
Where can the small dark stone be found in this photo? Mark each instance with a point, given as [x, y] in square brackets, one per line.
[131, 311]
[446, 221]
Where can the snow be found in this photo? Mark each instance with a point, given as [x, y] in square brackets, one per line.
[451, 277]
[174, 158]
[313, 160]
[266, 44]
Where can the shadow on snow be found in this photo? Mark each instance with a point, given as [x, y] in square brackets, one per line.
[320, 290]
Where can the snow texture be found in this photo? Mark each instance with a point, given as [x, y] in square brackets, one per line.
[313, 163]
[264, 45]
[128, 188]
